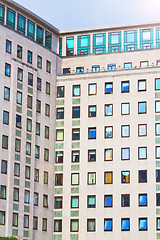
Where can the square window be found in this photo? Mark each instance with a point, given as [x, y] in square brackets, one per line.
[39, 84]
[19, 51]
[128, 65]
[125, 200]
[76, 90]
[108, 177]
[158, 224]
[108, 132]
[143, 64]
[91, 178]
[76, 134]
[57, 225]
[79, 69]
[108, 109]
[74, 178]
[143, 226]
[125, 108]
[66, 71]
[20, 74]
[108, 201]
[142, 176]
[60, 135]
[157, 106]
[111, 67]
[92, 111]
[60, 92]
[157, 129]
[39, 61]
[30, 79]
[125, 86]
[4, 167]
[108, 88]
[59, 157]
[91, 133]
[74, 202]
[95, 68]
[125, 177]
[125, 153]
[75, 156]
[125, 224]
[7, 69]
[108, 224]
[157, 84]
[125, 131]
[4, 141]
[157, 199]
[91, 225]
[91, 201]
[58, 203]
[74, 225]
[58, 179]
[8, 46]
[141, 85]
[142, 200]
[6, 93]
[142, 130]
[75, 112]
[142, 107]
[5, 117]
[60, 113]
[108, 154]
[92, 89]
[142, 153]
[29, 59]
[92, 155]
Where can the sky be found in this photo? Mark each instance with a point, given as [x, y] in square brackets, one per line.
[71, 14]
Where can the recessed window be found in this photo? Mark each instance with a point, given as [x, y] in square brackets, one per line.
[58, 203]
[7, 93]
[19, 98]
[30, 79]
[29, 59]
[157, 126]
[44, 224]
[39, 61]
[125, 177]
[79, 69]
[39, 84]
[2, 192]
[60, 92]
[125, 87]
[39, 35]
[19, 51]
[16, 194]
[92, 155]
[128, 65]
[91, 178]
[108, 201]
[125, 224]
[59, 135]
[57, 225]
[35, 223]
[26, 221]
[4, 141]
[48, 88]
[66, 71]
[74, 225]
[108, 132]
[157, 175]
[108, 88]
[108, 154]
[5, 117]
[125, 153]
[108, 224]
[74, 178]
[157, 84]
[26, 196]
[47, 110]
[35, 199]
[20, 74]
[142, 153]
[142, 130]
[111, 67]
[15, 220]
[4, 167]
[37, 128]
[157, 106]
[158, 224]
[143, 225]
[157, 199]
[76, 90]
[91, 201]
[142, 107]
[36, 175]
[38, 106]
[76, 134]
[125, 200]
[95, 68]
[75, 156]
[8, 46]
[7, 69]
[92, 133]
[92, 111]
[18, 121]
[91, 225]
[142, 176]
[29, 102]
[46, 154]
[2, 218]
[74, 202]
[46, 132]
[92, 89]
[157, 152]
[58, 179]
[28, 148]
[141, 85]
[76, 112]
[108, 177]
[48, 66]
[142, 200]
[143, 64]
[27, 172]
[59, 157]
[37, 151]
[45, 201]
[60, 113]
[108, 109]
[125, 131]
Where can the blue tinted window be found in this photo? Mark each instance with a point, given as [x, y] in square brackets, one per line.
[157, 84]
[142, 199]
[142, 107]
[79, 69]
[108, 88]
[30, 79]
[70, 46]
[75, 112]
[111, 67]
[157, 199]
[125, 87]
[91, 133]
[7, 69]
[125, 224]
[157, 175]
[108, 224]
[158, 223]
[108, 201]
[142, 224]
[5, 117]
[128, 65]
[142, 152]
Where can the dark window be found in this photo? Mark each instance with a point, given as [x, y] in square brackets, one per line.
[4, 167]
[75, 156]
[60, 113]
[66, 71]
[8, 46]
[29, 57]
[142, 176]
[29, 102]
[91, 155]
[125, 200]
[57, 225]
[39, 36]
[58, 179]
[5, 117]
[75, 112]
[39, 84]
[60, 92]
[19, 51]
[58, 203]
[18, 121]
[30, 79]
[157, 175]
[91, 225]
[79, 69]
[76, 134]
[91, 201]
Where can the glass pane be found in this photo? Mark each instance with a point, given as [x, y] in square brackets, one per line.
[30, 29]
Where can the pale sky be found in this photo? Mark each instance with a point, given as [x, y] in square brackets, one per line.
[70, 14]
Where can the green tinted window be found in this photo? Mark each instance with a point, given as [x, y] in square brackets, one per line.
[48, 39]
[39, 37]
[60, 46]
[30, 29]
[84, 44]
[2, 13]
[70, 46]
[21, 22]
[11, 18]
[99, 43]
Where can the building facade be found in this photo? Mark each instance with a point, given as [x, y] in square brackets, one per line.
[80, 130]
